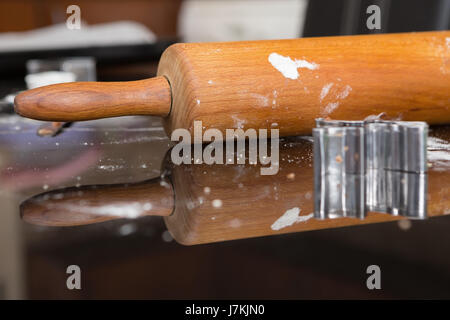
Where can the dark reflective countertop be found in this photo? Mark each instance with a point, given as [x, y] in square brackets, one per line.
[137, 258]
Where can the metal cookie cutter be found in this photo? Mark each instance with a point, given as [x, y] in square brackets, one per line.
[374, 165]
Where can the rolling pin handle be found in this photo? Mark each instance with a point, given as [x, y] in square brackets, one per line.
[78, 101]
[76, 206]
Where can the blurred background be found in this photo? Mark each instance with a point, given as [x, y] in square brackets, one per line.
[123, 40]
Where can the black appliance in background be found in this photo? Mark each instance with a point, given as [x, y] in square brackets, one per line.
[346, 17]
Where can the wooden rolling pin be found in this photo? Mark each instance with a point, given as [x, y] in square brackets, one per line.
[210, 203]
[283, 84]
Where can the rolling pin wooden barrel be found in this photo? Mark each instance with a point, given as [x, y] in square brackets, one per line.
[282, 84]
[210, 203]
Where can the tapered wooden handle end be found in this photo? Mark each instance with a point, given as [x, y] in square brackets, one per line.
[98, 203]
[77, 101]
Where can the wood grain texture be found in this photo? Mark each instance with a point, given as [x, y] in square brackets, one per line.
[98, 203]
[78, 101]
[233, 84]
[250, 203]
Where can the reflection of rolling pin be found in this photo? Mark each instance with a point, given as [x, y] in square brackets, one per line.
[283, 84]
[209, 203]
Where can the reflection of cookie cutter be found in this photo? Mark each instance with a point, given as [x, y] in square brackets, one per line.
[375, 165]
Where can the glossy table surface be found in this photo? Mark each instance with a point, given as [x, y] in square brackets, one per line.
[145, 260]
